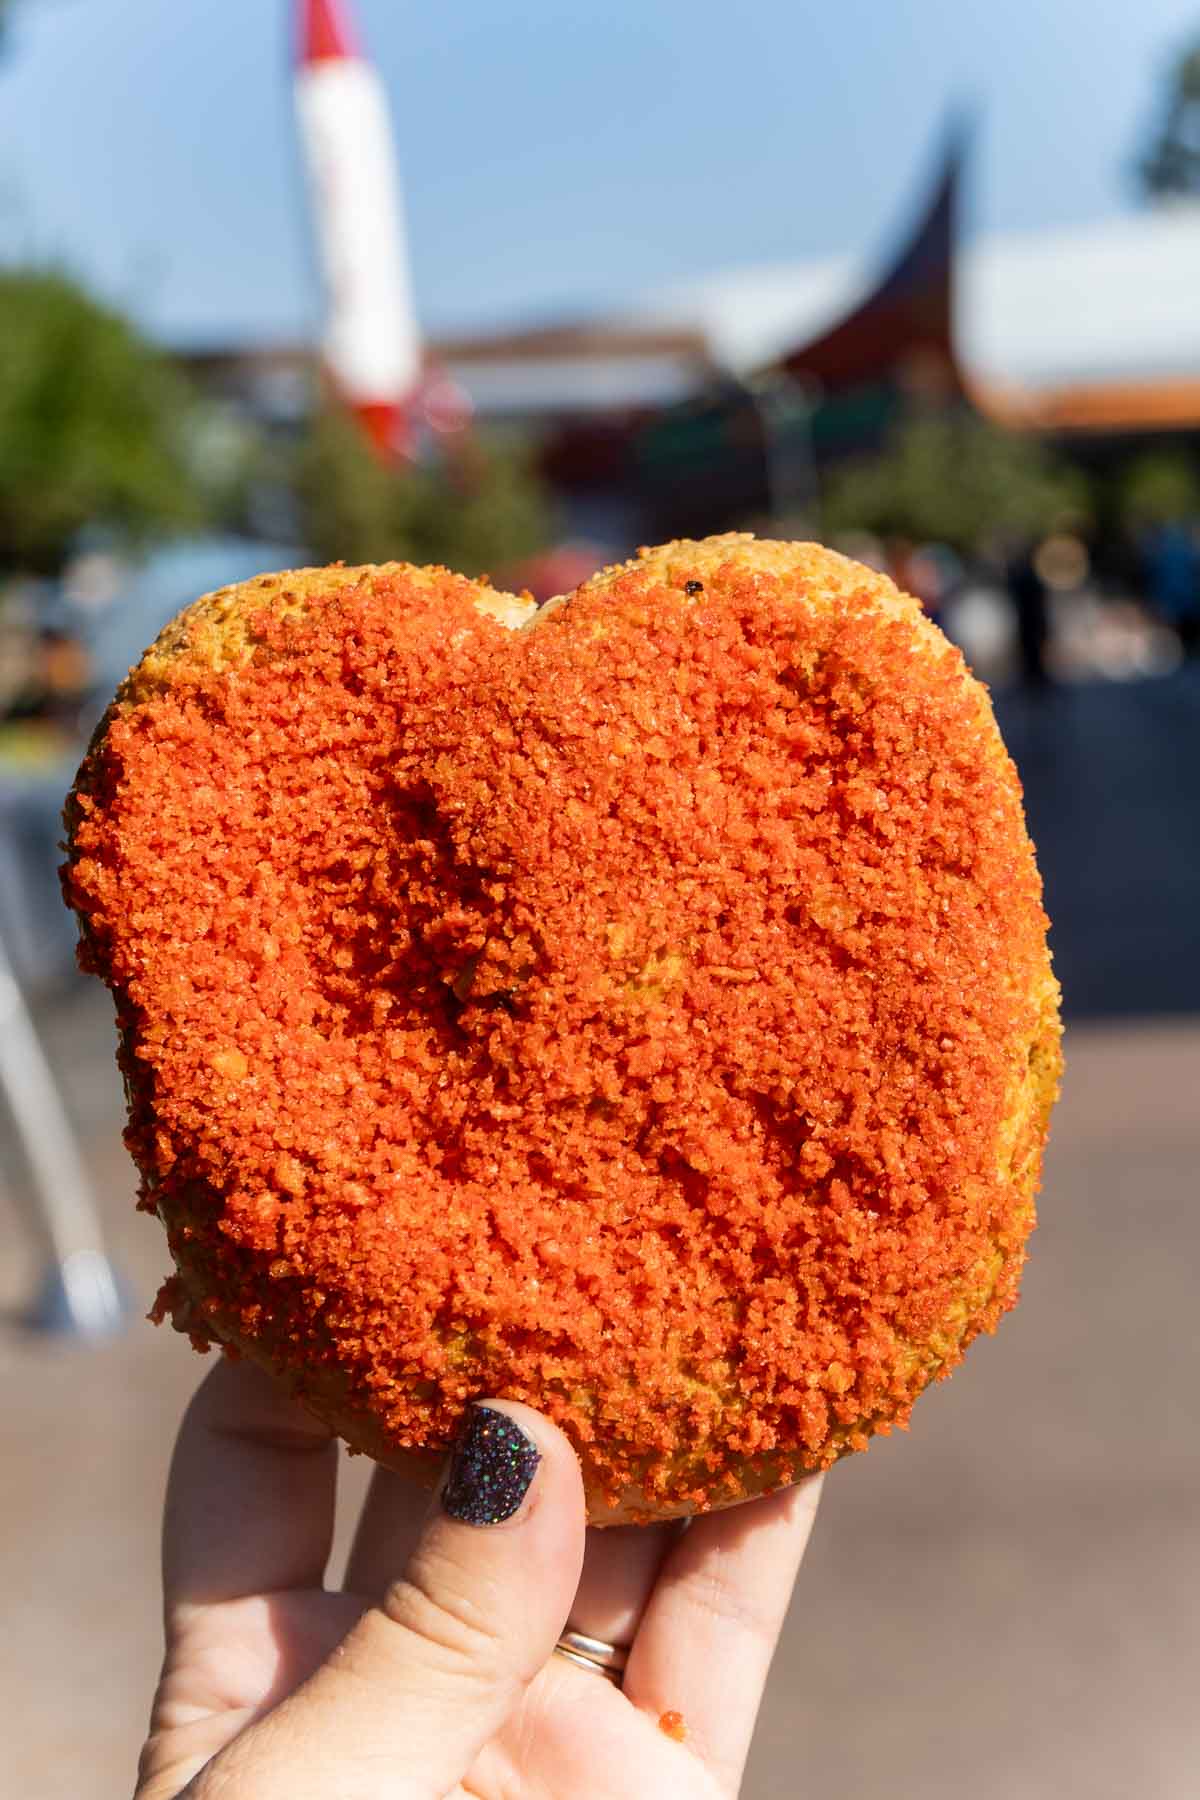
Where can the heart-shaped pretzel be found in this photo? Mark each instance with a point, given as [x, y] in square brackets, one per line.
[644, 1013]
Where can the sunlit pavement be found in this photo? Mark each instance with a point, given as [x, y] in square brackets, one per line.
[1112, 786]
[1005, 1603]
[1002, 1603]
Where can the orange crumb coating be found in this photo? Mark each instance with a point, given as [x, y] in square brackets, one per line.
[646, 1015]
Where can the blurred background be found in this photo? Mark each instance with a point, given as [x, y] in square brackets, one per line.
[519, 289]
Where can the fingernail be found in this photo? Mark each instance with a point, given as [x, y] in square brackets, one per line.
[491, 1468]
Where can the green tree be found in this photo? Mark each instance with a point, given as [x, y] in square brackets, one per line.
[1170, 166]
[93, 424]
[953, 478]
[1158, 488]
[481, 513]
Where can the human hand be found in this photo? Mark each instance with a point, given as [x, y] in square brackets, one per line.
[432, 1672]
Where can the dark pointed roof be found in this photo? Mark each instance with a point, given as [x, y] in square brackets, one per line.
[908, 318]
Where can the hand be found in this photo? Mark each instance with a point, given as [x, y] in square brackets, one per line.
[432, 1672]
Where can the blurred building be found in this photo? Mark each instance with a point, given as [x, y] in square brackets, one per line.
[722, 395]
[1085, 328]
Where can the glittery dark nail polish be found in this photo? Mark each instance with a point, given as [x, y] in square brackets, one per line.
[491, 1468]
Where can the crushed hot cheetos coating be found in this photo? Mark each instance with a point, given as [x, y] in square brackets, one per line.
[644, 1013]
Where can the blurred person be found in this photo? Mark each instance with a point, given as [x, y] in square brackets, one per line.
[898, 553]
[434, 1670]
[64, 674]
[931, 572]
[937, 575]
[1171, 554]
[54, 681]
[1028, 592]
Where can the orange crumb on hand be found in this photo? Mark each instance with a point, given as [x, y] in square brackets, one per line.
[673, 1725]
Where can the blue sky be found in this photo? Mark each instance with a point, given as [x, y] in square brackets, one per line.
[558, 155]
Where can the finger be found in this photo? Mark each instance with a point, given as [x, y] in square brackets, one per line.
[428, 1676]
[251, 1494]
[620, 1566]
[620, 1563]
[387, 1534]
[711, 1626]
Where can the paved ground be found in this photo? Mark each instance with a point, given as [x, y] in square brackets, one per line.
[1112, 786]
[1003, 1603]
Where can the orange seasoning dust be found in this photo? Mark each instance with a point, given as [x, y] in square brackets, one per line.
[617, 1016]
[673, 1725]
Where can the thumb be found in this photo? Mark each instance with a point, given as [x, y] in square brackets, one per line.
[406, 1702]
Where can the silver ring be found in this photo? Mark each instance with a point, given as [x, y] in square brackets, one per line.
[593, 1654]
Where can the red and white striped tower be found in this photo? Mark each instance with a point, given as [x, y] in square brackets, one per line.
[372, 346]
